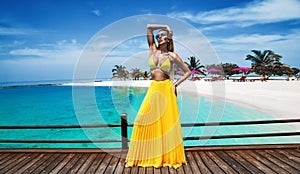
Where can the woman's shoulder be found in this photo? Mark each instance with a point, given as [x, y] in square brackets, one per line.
[174, 55]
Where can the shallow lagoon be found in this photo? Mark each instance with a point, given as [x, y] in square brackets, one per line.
[64, 105]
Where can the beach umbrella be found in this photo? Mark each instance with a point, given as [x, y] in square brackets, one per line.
[195, 71]
[243, 69]
[180, 72]
[213, 70]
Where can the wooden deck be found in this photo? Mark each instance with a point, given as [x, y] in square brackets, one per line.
[235, 159]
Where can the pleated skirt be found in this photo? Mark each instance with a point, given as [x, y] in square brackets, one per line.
[156, 139]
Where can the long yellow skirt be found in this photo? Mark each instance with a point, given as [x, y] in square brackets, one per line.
[156, 139]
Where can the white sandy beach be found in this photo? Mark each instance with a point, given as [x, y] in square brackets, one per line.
[279, 98]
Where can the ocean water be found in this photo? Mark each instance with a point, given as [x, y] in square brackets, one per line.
[64, 105]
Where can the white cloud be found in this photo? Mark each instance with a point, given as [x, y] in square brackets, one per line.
[96, 12]
[17, 42]
[235, 48]
[42, 62]
[254, 38]
[62, 52]
[28, 52]
[16, 31]
[257, 12]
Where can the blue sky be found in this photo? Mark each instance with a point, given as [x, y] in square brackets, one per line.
[44, 39]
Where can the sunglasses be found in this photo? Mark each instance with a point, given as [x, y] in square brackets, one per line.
[162, 35]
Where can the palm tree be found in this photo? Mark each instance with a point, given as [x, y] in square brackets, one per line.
[120, 72]
[195, 64]
[146, 75]
[136, 73]
[261, 61]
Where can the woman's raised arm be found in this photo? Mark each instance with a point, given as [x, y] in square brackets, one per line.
[183, 67]
[150, 36]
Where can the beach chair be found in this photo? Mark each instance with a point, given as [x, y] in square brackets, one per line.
[263, 79]
[242, 79]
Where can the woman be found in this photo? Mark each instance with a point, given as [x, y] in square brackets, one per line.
[156, 136]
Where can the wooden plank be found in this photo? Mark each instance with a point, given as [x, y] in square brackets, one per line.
[93, 167]
[19, 165]
[135, 170]
[121, 164]
[113, 164]
[46, 163]
[53, 164]
[192, 163]
[293, 152]
[62, 164]
[231, 161]
[243, 162]
[180, 170]
[257, 163]
[284, 159]
[267, 162]
[289, 156]
[222, 164]
[104, 163]
[79, 163]
[13, 162]
[214, 168]
[234, 164]
[172, 170]
[156, 170]
[149, 170]
[277, 161]
[127, 170]
[4, 156]
[164, 170]
[30, 163]
[203, 168]
[70, 163]
[87, 163]
[4, 160]
[187, 166]
[142, 170]
[10, 160]
[37, 164]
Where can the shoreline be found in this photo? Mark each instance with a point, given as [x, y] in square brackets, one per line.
[278, 98]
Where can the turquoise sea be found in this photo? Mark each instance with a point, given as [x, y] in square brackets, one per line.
[64, 105]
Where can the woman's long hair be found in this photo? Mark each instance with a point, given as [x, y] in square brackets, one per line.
[170, 45]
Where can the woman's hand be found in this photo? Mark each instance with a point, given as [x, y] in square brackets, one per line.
[175, 89]
[170, 31]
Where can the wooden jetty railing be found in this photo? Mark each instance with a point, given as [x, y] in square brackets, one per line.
[124, 131]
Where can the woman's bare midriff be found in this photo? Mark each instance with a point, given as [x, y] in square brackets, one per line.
[158, 75]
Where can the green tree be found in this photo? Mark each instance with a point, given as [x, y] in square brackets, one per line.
[194, 64]
[295, 71]
[228, 69]
[146, 75]
[263, 61]
[136, 73]
[119, 71]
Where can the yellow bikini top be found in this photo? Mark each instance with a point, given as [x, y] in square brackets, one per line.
[165, 66]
